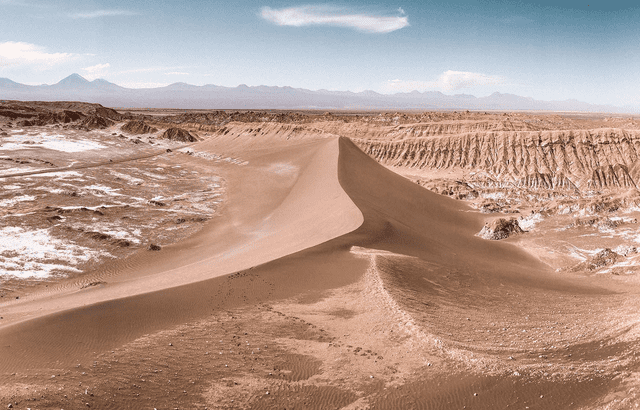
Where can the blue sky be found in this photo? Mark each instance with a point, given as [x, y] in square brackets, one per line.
[587, 50]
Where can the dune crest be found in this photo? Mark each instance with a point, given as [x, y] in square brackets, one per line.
[313, 210]
[319, 220]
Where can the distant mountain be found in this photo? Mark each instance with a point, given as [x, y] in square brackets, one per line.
[73, 82]
[183, 95]
[6, 84]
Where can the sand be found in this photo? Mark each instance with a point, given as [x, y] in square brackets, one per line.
[324, 281]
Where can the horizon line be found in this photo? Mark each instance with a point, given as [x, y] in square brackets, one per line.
[317, 90]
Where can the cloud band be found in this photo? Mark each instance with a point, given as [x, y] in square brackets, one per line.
[101, 13]
[16, 53]
[327, 16]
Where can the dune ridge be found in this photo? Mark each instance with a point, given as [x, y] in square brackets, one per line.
[375, 285]
[303, 240]
[341, 194]
[311, 210]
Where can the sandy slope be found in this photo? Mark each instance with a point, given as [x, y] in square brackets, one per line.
[298, 231]
[404, 218]
[264, 221]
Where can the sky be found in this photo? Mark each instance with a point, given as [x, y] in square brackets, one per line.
[585, 50]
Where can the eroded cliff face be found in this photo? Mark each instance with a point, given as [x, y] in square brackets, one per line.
[500, 152]
[566, 159]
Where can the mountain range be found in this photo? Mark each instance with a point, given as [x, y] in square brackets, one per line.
[186, 96]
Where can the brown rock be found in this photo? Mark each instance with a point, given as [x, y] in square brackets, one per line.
[500, 228]
[138, 127]
[178, 134]
[601, 259]
[96, 122]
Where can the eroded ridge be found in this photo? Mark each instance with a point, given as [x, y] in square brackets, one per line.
[582, 159]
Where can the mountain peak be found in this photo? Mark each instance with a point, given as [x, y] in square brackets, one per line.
[75, 77]
[76, 87]
[74, 80]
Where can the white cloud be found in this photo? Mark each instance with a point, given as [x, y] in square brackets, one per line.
[330, 16]
[448, 81]
[97, 68]
[176, 73]
[19, 53]
[101, 13]
[96, 71]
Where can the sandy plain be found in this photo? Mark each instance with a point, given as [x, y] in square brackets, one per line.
[301, 263]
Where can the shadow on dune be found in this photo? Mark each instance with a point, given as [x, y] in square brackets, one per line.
[155, 291]
[437, 263]
[406, 219]
[454, 285]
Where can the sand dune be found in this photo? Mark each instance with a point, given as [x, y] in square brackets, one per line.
[293, 216]
[278, 221]
[544, 153]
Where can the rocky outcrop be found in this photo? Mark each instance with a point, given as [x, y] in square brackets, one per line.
[95, 122]
[605, 257]
[500, 228]
[108, 113]
[138, 127]
[178, 134]
[49, 118]
[76, 114]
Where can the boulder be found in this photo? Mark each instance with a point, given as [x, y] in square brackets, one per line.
[500, 228]
[605, 257]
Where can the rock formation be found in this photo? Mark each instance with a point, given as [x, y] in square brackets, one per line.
[178, 134]
[138, 127]
[605, 257]
[500, 228]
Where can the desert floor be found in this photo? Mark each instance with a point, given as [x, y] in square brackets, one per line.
[313, 260]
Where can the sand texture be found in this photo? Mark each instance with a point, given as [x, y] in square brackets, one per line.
[337, 263]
